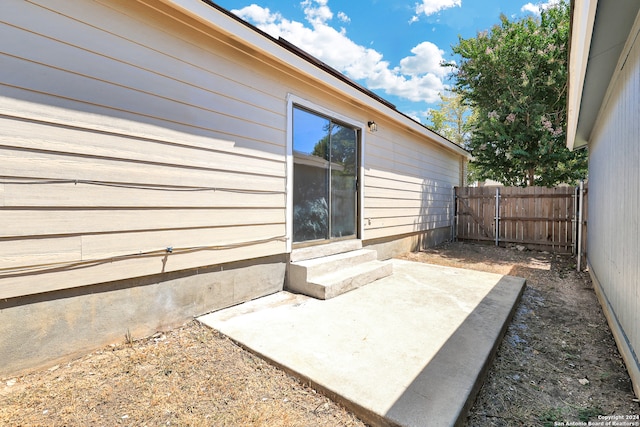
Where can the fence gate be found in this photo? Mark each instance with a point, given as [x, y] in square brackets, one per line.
[536, 217]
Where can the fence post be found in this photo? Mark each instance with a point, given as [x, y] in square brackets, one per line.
[497, 215]
[574, 221]
[581, 208]
[454, 210]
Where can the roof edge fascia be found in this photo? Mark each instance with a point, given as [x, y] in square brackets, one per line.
[583, 14]
[223, 20]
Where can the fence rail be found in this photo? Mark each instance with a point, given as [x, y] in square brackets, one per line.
[536, 217]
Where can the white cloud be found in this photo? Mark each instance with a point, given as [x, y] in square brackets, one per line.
[418, 77]
[258, 15]
[536, 8]
[343, 17]
[316, 11]
[429, 7]
[426, 59]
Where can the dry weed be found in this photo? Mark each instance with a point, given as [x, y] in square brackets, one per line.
[189, 377]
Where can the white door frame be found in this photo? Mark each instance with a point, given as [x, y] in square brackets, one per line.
[311, 106]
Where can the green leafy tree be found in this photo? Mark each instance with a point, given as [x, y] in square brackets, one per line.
[452, 118]
[515, 78]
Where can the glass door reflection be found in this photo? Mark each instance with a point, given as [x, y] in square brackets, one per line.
[325, 192]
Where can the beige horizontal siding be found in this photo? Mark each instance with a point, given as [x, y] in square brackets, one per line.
[56, 221]
[403, 182]
[408, 185]
[412, 167]
[45, 165]
[105, 246]
[160, 67]
[386, 231]
[426, 221]
[45, 254]
[88, 195]
[46, 137]
[22, 253]
[123, 268]
[125, 135]
[418, 158]
[132, 35]
[123, 102]
[41, 108]
[434, 193]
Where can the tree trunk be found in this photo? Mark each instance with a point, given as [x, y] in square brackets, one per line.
[531, 177]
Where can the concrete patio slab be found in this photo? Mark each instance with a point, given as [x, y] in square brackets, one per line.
[410, 349]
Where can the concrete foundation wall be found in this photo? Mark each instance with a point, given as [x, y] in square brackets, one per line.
[40, 330]
[398, 245]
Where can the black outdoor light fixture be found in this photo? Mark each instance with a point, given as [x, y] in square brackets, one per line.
[373, 127]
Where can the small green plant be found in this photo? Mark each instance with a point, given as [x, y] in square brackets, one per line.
[605, 375]
[551, 416]
[587, 414]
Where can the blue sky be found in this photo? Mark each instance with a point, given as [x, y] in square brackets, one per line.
[393, 47]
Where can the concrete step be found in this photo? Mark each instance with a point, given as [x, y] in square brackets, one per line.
[307, 270]
[338, 282]
[320, 251]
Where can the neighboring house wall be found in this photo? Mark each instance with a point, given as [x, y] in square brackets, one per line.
[603, 111]
[145, 168]
[614, 207]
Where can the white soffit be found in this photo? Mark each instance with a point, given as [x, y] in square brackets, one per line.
[599, 32]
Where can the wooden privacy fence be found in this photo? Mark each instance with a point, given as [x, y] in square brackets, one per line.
[536, 217]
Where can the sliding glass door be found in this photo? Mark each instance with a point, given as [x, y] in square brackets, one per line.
[325, 196]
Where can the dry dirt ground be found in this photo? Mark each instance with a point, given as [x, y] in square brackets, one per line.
[558, 363]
